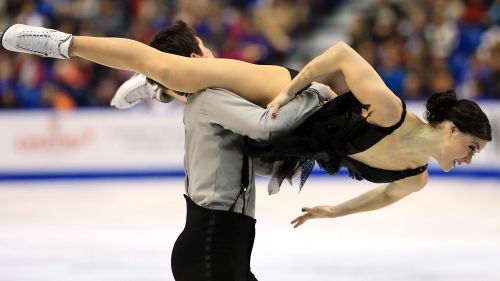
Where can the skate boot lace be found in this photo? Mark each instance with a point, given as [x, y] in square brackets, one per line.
[39, 42]
[137, 94]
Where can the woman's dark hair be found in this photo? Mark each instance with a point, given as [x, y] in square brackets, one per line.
[465, 114]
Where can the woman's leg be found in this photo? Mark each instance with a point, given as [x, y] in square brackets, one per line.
[257, 83]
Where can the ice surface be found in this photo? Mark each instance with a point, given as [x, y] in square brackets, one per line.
[124, 230]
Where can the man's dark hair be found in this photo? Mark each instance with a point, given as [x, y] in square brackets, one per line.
[178, 39]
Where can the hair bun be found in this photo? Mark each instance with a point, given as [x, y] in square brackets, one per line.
[440, 105]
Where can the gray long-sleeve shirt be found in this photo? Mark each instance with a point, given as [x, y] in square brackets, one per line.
[215, 121]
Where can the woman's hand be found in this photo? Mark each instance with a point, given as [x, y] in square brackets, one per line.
[313, 213]
[324, 93]
[283, 98]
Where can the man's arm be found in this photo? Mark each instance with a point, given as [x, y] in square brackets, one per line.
[240, 116]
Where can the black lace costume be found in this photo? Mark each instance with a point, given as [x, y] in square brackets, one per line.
[328, 137]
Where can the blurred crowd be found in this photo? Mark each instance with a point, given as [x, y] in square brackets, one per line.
[258, 31]
[427, 46]
[418, 47]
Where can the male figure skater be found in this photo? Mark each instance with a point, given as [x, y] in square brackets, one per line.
[217, 241]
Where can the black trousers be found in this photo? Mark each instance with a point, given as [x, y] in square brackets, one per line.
[214, 246]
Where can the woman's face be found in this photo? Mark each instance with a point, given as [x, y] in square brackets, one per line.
[459, 148]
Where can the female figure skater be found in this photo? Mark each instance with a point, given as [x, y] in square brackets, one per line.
[367, 130]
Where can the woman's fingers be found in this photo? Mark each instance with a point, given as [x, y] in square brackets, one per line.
[277, 102]
[301, 219]
[274, 110]
[311, 213]
[298, 221]
[274, 106]
[298, 224]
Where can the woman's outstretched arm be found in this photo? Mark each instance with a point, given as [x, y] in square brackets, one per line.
[256, 83]
[374, 199]
[361, 78]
